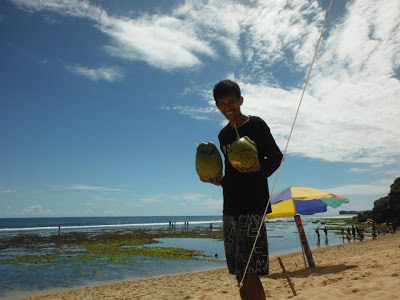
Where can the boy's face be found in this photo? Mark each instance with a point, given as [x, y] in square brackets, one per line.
[229, 106]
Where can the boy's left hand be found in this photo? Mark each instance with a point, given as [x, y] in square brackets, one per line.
[255, 168]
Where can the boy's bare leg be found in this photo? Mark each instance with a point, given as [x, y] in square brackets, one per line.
[252, 288]
[243, 293]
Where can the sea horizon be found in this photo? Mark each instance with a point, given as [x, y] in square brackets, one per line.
[77, 222]
[67, 223]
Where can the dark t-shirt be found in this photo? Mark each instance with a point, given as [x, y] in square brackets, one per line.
[247, 193]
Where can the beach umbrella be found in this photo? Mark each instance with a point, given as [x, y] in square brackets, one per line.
[303, 201]
[296, 201]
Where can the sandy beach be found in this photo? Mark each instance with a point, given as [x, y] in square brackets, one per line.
[363, 270]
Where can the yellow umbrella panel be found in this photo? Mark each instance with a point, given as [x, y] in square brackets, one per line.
[302, 200]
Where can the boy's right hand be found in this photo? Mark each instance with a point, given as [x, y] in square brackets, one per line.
[214, 180]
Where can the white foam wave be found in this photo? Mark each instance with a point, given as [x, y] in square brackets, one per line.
[104, 226]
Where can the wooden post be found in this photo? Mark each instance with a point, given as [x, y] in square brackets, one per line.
[304, 243]
[287, 276]
[304, 256]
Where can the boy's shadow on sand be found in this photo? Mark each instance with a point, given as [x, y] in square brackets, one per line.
[318, 270]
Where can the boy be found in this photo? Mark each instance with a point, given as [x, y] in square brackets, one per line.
[245, 191]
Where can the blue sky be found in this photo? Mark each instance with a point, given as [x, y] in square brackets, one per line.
[102, 102]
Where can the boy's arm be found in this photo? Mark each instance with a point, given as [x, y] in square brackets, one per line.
[271, 155]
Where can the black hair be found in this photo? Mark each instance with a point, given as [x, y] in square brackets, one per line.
[226, 88]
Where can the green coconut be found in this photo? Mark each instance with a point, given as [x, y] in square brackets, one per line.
[242, 152]
[208, 161]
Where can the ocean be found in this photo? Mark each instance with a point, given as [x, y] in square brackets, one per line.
[83, 223]
[25, 279]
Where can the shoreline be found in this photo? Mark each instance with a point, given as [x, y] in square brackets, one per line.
[145, 221]
[362, 270]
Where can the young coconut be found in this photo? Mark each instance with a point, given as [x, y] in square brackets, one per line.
[208, 161]
[242, 152]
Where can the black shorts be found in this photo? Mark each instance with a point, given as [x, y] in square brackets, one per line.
[240, 233]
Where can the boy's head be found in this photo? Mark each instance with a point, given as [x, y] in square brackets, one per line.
[226, 88]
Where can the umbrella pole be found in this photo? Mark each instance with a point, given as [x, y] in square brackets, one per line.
[303, 241]
[304, 256]
[302, 251]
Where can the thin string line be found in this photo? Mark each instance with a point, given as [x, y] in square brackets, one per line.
[287, 144]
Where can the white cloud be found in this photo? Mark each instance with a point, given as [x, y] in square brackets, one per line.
[164, 42]
[104, 73]
[85, 188]
[189, 196]
[75, 8]
[384, 181]
[353, 105]
[394, 172]
[359, 170]
[165, 198]
[151, 199]
[6, 190]
[260, 31]
[37, 210]
[351, 108]
[98, 198]
[276, 28]
[360, 189]
[379, 187]
[200, 113]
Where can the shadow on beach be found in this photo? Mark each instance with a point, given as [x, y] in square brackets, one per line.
[318, 270]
